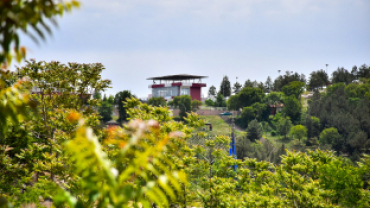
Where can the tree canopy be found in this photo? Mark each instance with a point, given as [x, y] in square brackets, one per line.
[237, 87]
[298, 132]
[212, 91]
[254, 131]
[342, 75]
[53, 147]
[30, 17]
[157, 101]
[318, 79]
[225, 87]
[294, 88]
[288, 77]
[119, 100]
[106, 108]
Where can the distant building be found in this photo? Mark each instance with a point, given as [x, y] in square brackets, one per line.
[59, 91]
[276, 108]
[112, 123]
[175, 85]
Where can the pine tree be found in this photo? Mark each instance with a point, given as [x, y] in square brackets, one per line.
[248, 83]
[119, 100]
[237, 87]
[269, 83]
[254, 131]
[284, 126]
[225, 88]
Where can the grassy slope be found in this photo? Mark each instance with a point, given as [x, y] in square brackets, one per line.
[222, 128]
[219, 125]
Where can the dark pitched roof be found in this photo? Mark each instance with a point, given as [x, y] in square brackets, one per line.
[177, 77]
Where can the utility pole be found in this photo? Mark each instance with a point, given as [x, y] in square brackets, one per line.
[327, 69]
[223, 87]
[232, 144]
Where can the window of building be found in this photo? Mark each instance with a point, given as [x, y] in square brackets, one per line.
[185, 91]
[165, 92]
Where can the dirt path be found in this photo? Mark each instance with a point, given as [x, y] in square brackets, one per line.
[228, 121]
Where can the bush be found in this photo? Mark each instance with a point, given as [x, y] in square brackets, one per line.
[195, 105]
[157, 101]
[254, 131]
[209, 102]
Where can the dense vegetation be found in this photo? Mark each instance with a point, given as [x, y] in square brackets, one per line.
[344, 111]
[53, 148]
[336, 118]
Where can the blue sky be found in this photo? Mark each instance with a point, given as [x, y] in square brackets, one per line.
[248, 39]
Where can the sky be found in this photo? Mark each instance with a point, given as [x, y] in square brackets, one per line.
[243, 39]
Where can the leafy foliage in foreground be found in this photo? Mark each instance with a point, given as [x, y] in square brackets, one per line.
[312, 179]
[21, 15]
[64, 156]
[155, 160]
[32, 154]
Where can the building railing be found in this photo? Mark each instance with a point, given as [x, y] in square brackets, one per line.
[212, 108]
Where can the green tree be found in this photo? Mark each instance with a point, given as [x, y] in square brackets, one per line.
[110, 173]
[354, 72]
[345, 108]
[119, 100]
[318, 79]
[233, 102]
[284, 126]
[209, 102]
[359, 141]
[274, 98]
[332, 137]
[284, 80]
[237, 87]
[249, 95]
[342, 75]
[60, 90]
[262, 111]
[176, 101]
[363, 71]
[280, 152]
[269, 84]
[212, 91]
[248, 83]
[111, 99]
[313, 126]
[254, 131]
[184, 104]
[157, 101]
[20, 15]
[247, 116]
[298, 132]
[295, 88]
[225, 87]
[292, 108]
[220, 101]
[261, 86]
[97, 95]
[106, 109]
[195, 104]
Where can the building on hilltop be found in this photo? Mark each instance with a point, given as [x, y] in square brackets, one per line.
[177, 85]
